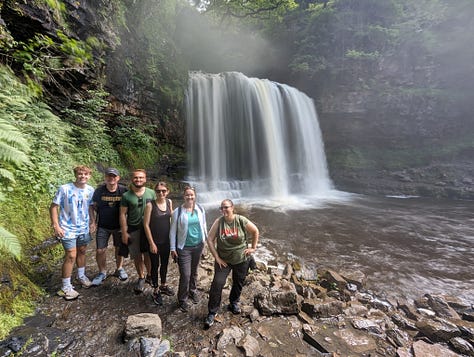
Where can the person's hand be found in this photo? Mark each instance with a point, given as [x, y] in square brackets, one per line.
[153, 248]
[58, 232]
[174, 256]
[92, 227]
[220, 262]
[249, 251]
[125, 238]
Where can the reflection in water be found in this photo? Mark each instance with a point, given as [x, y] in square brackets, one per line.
[406, 247]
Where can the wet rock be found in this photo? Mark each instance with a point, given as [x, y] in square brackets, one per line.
[426, 312]
[423, 349]
[403, 322]
[355, 277]
[438, 330]
[462, 346]
[404, 352]
[398, 338]
[356, 341]
[409, 310]
[275, 302]
[321, 309]
[355, 309]
[439, 305]
[372, 326]
[230, 336]
[468, 315]
[142, 325]
[334, 280]
[466, 328]
[249, 345]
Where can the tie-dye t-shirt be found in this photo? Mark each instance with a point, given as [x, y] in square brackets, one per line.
[74, 205]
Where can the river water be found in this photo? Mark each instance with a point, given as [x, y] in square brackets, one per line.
[406, 247]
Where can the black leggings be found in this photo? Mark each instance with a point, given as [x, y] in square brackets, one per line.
[161, 260]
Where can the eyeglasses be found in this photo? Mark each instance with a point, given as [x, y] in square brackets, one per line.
[225, 207]
[160, 191]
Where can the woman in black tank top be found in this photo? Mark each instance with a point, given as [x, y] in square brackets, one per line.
[156, 220]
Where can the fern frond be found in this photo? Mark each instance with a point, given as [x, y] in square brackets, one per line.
[6, 174]
[10, 243]
[11, 154]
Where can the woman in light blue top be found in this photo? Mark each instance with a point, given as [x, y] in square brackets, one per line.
[187, 236]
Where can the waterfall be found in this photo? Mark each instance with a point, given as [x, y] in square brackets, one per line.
[251, 137]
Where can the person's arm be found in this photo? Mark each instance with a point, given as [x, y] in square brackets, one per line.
[54, 215]
[173, 232]
[252, 230]
[93, 217]
[146, 227]
[123, 224]
[211, 243]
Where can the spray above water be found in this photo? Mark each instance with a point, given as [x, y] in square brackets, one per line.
[251, 138]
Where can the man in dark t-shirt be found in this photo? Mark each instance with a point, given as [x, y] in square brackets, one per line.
[106, 201]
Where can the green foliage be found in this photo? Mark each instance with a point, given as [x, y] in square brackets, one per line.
[9, 243]
[135, 142]
[90, 133]
[41, 57]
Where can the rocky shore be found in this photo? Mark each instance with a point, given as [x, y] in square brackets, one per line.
[287, 310]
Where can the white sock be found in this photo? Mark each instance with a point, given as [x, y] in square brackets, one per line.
[66, 284]
[81, 272]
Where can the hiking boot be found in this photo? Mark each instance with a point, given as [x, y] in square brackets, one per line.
[184, 306]
[99, 279]
[157, 299]
[121, 274]
[209, 321]
[194, 297]
[166, 290]
[234, 308]
[148, 279]
[140, 286]
[85, 282]
[68, 294]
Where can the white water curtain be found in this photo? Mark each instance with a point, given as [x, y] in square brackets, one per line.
[249, 136]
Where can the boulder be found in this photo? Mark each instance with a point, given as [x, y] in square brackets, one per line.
[276, 302]
[438, 330]
[439, 305]
[142, 325]
[423, 349]
[322, 309]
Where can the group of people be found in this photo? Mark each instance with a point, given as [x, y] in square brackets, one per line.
[144, 225]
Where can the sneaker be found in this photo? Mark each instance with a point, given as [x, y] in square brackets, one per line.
[99, 279]
[234, 308]
[194, 297]
[209, 321]
[157, 299]
[121, 274]
[85, 282]
[166, 290]
[183, 306]
[140, 286]
[148, 279]
[68, 294]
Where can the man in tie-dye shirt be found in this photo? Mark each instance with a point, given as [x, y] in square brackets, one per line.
[70, 212]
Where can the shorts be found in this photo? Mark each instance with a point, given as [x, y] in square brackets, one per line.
[77, 241]
[134, 246]
[103, 235]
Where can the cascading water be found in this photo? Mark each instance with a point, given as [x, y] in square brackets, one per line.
[250, 137]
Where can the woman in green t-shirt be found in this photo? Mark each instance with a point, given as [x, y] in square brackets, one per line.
[227, 241]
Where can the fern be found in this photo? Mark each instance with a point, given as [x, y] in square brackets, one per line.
[9, 243]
